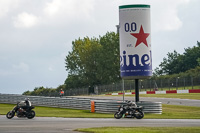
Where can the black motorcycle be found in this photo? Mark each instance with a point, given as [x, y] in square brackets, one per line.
[20, 112]
[130, 110]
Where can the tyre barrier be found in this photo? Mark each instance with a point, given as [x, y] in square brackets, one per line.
[105, 106]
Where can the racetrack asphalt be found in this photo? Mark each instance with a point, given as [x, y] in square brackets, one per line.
[68, 125]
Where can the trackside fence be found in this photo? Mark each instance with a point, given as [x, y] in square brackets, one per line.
[165, 84]
[152, 84]
[101, 106]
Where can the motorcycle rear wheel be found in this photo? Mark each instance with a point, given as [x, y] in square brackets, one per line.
[139, 115]
[31, 114]
[118, 115]
[10, 114]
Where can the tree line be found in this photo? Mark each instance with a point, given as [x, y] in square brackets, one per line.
[95, 61]
[176, 63]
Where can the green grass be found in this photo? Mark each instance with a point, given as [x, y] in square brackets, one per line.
[169, 112]
[179, 95]
[58, 112]
[176, 112]
[70, 113]
[142, 130]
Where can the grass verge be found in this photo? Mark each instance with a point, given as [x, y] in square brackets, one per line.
[181, 95]
[195, 96]
[176, 112]
[58, 112]
[142, 130]
[169, 112]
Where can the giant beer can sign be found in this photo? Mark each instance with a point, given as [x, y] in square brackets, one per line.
[135, 41]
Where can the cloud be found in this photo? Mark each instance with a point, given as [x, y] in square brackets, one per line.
[54, 13]
[52, 7]
[14, 69]
[165, 16]
[69, 8]
[25, 20]
[50, 68]
[7, 5]
[21, 67]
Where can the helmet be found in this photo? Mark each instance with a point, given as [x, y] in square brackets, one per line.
[134, 104]
[129, 103]
[26, 99]
[61, 89]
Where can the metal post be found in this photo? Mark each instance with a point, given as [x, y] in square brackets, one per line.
[192, 82]
[150, 84]
[184, 83]
[123, 88]
[177, 83]
[136, 90]
[112, 87]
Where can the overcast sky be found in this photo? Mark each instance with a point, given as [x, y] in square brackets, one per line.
[36, 35]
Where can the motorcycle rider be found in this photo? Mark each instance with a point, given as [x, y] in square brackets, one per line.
[131, 104]
[25, 104]
[130, 110]
[23, 109]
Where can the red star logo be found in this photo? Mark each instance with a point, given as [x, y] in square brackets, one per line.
[141, 37]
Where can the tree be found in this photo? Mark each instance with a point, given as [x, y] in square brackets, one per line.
[176, 63]
[198, 60]
[93, 61]
[26, 93]
[82, 61]
[110, 58]
[168, 66]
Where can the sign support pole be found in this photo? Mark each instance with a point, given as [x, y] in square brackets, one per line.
[123, 88]
[136, 90]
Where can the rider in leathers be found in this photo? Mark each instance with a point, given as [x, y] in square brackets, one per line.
[27, 104]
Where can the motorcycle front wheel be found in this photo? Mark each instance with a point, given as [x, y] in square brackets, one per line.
[118, 115]
[10, 114]
[31, 114]
[139, 115]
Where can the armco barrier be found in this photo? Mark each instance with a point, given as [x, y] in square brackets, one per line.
[101, 106]
[106, 106]
[69, 102]
[151, 107]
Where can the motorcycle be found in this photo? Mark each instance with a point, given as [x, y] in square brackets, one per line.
[130, 110]
[20, 112]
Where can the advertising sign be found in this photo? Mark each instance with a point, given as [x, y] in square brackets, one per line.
[135, 41]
